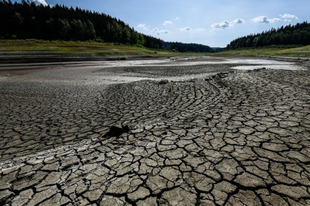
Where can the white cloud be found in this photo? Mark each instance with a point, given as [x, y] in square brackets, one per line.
[43, 2]
[185, 29]
[274, 20]
[265, 20]
[177, 18]
[239, 21]
[167, 22]
[201, 29]
[160, 32]
[223, 25]
[288, 17]
[226, 24]
[143, 26]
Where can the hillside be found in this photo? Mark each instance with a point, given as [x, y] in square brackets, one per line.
[34, 50]
[296, 35]
[26, 20]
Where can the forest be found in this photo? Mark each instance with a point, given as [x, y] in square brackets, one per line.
[27, 20]
[182, 47]
[298, 34]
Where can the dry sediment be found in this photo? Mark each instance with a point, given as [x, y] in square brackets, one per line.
[235, 138]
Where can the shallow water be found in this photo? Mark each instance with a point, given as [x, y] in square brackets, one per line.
[280, 67]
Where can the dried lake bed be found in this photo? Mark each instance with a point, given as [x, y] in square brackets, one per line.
[174, 131]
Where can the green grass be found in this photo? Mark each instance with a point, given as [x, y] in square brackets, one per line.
[300, 52]
[83, 48]
[71, 47]
[111, 49]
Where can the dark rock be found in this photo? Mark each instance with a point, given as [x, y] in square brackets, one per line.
[260, 69]
[116, 131]
[163, 81]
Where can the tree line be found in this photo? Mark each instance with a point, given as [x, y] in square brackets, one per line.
[183, 47]
[28, 20]
[298, 34]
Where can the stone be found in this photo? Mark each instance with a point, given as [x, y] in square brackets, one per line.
[117, 131]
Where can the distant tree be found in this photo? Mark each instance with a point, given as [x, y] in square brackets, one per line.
[249, 42]
[126, 36]
[134, 37]
[182, 47]
[141, 40]
[50, 25]
[15, 22]
[90, 32]
[63, 28]
[78, 29]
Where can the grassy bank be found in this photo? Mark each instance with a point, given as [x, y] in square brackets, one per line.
[83, 48]
[299, 52]
[92, 48]
[71, 47]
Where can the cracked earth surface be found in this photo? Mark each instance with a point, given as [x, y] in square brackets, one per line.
[227, 138]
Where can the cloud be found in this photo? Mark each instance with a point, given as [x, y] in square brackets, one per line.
[177, 18]
[239, 21]
[223, 25]
[288, 17]
[185, 29]
[143, 26]
[226, 24]
[160, 32]
[43, 2]
[167, 22]
[201, 29]
[265, 20]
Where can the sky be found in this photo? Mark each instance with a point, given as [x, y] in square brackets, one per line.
[210, 22]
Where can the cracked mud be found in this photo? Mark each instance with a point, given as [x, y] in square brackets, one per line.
[226, 137]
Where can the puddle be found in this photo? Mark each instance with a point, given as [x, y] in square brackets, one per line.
[257, 61]
[279, 67]
[132, 63]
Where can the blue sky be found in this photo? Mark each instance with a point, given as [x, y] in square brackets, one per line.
[209, 22]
